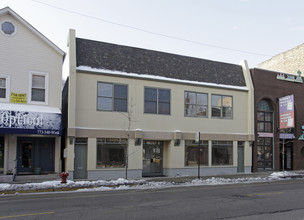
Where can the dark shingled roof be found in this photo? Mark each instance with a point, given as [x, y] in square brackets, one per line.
[114, 57]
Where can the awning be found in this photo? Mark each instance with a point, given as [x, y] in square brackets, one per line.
[30, 119]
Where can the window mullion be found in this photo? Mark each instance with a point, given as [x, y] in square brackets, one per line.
[157, 96]
[222, 106]
[113, 95]
[195, 105]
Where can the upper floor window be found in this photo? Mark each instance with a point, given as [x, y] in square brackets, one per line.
[221, 106]
[265, 117]
[38, 87]
[157, 101]
[4, 90]
[112, 97]
[196, 104]
[8, 28]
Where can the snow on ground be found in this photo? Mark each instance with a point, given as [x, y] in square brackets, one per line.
[123, 184]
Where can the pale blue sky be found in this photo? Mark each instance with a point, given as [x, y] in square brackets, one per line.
[265, 27]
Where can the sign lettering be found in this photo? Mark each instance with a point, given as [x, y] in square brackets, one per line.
[21, 122]
[290, 78]
[18, 98]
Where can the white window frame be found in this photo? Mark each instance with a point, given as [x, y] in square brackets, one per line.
[7, 92]
[46, 75]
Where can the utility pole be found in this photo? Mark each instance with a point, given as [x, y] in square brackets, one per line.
[283, 152]
[199, 156]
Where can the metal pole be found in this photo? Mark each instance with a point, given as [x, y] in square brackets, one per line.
[199, 155]
[283, 152]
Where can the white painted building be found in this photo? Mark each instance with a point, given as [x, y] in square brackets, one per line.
[30, 98]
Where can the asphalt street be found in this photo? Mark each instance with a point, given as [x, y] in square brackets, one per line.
[274, 200]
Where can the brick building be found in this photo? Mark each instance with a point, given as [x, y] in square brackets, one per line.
[271, 141]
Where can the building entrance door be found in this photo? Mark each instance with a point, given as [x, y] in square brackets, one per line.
[25, 156]
[288, 158]
[152, 158]
[80, 160]
[35, 154]
[240, 168]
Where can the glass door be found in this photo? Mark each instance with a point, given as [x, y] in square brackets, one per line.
[288, 158]
[152, 158]
[265, 155]
[25, 156]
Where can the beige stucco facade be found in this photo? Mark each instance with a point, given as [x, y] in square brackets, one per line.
[85, 121]
[25, 53]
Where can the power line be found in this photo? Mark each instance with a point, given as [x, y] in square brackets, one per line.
[151, 32]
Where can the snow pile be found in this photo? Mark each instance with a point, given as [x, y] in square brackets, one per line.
[123, 184]
[70, 184]
[283, 175]
[221, 181]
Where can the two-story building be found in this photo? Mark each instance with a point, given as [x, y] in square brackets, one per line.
[277, 147]
[133, 112]
[30, 98]
[278, 132]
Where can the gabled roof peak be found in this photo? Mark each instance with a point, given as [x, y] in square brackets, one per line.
[9, 11]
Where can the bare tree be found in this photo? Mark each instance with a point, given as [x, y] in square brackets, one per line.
[129, 117]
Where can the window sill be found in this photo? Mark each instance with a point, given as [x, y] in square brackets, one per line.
[195, 166]
[111, 168]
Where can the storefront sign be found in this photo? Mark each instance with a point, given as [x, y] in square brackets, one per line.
[286, 136]
[20, 122]
[18, 98]
[286, 105]
[263, 134]
[290, 78]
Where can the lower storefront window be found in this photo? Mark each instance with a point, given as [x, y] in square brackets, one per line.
[111, 152]
[222, 152]
[191, 153]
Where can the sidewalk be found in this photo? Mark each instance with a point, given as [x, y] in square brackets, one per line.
[52, 183]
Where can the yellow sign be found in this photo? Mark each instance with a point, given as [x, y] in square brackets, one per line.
[18, 98]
